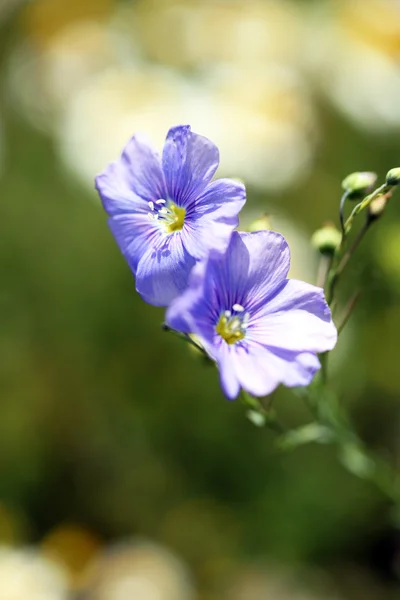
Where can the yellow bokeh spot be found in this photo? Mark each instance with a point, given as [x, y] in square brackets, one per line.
[72, 546]
[43, 19]
[375, 23]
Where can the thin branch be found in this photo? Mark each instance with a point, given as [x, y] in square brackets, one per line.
[349, 253]
[323, 269]
[341, 209]
[349, 310]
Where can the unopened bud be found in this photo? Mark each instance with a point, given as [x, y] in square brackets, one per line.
[359, 184]
[256, 418]
[327, 239]
[261, 224]
[377, 207]
[393, 177]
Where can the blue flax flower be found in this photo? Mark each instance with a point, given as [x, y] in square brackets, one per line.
[165, 212]
[261, 328]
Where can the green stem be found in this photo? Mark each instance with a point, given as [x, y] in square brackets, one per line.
[349, 253]
[383, 189]
[323, 359]
[185, 338]
[355, 457]
[340, 260]
[341, 208]
[323, 270]
[348, 310]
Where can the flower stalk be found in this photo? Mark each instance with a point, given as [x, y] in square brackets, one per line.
[329, 415]
[261, 416]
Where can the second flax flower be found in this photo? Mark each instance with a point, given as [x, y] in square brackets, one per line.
[260, 327]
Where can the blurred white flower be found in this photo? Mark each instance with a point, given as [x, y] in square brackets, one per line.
[355, 59]
[112, 107]
[26, 575]
[256, 583]
[77, 53]
[254, 32]
[43, 81]
[261, 121]
[89, 86]
[139, 570]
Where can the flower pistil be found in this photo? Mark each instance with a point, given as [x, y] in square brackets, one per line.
[232, 324]
[170, 216]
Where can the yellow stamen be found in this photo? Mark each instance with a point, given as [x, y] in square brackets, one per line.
[230, 329]
[176, 218]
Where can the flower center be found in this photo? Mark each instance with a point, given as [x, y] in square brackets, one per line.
[232, 324]
[170, 216]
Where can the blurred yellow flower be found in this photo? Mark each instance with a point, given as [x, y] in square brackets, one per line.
[72, 547]
[89, 82]
[376, 23]
[43, 19]
[139, 569]
[77, 52]
[198, 32]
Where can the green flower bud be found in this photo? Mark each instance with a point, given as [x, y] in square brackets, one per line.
[377, 207]
[256, 418]
[359, 184]
[393, 177]
[261, 224]
[327, 239]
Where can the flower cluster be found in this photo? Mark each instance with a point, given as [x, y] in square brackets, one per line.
[175, 227]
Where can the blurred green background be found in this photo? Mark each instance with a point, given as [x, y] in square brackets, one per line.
[124, 473]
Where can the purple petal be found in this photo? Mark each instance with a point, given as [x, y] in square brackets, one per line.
[253, 267]
[212, 219]
[229, 381]
[199, 240]
[132, 181]
[295, 294]
[115, 193]
[134, 234]
[163, 270]
[189, 312]
[255, 369]
[227, 274]
[300, 368]
[189, 162]
[222, 200]
[297, 319]
[259, 370]
[142, 164]
[269, 263]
